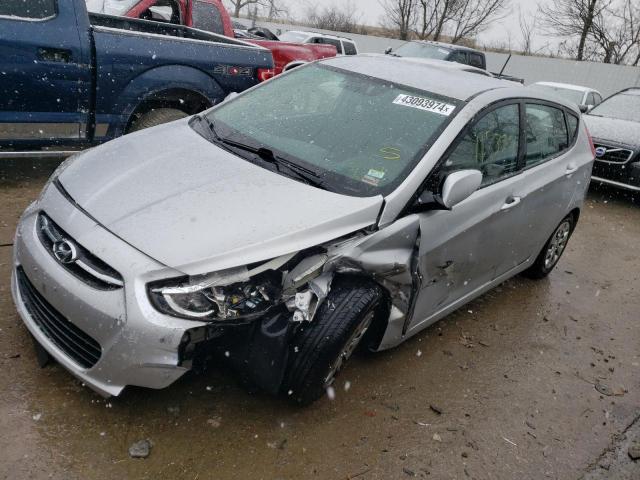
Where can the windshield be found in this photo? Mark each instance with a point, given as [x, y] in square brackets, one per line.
[293, 37]
[361, 135]
[625, 106]
[569, 94]
[423, 50]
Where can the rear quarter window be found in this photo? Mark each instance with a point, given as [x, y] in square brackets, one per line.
[572, 123]
[207, 17]
[28, 9]
[475, 60]
[349, 48]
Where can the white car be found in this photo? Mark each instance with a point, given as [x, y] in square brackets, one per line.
[345, 46]
[586, 98]
[347, 204]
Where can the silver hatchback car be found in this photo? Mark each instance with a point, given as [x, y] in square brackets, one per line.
[348, 203]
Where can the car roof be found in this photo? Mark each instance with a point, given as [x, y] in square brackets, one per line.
[448, 46]
[568, 86]
[452, 65]
[630, 91]
[443, 78]
[319, 34]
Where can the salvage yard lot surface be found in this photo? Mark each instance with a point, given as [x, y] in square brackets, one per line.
[533, 380]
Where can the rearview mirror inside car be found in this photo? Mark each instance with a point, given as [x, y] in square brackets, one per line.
[459, 186]
[388, 51]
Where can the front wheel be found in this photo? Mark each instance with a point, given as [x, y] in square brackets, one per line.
[320, 349]
[553, 250]
[155, 117]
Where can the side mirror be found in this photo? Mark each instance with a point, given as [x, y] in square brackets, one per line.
[584, 108]
[459, 186]
[388, 50]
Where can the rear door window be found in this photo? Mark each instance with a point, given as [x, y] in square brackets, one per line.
[31, 9]
[546, 133]
[460, 57]
[332, 41]
[349, 48]
[490, 145]
[207, 17]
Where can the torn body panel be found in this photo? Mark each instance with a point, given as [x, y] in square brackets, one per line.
[390, 257]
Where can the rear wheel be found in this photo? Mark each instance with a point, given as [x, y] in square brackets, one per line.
[155, 117]
[553, 250]
[321, 348]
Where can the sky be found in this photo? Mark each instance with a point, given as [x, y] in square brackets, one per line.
[371, 11]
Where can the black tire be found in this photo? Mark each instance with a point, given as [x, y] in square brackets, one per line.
[544, 264]
[155, 117]
[319, 345]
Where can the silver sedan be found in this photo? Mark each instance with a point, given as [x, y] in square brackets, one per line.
[347, 204]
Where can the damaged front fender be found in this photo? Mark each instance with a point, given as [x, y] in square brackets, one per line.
[390, 257]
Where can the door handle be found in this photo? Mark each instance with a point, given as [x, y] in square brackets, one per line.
[571, 169]
[511, 202]
[58, 55]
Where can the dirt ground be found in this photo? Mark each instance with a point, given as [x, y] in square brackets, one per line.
[505, 388]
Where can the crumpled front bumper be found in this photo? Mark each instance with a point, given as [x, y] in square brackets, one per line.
[139, 346]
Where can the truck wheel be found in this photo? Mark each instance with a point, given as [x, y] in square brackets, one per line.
[155, 117]
[553, 250]
[321, 348]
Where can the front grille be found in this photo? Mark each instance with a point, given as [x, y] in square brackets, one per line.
[79, 346]
[82, 263]
[613, 154]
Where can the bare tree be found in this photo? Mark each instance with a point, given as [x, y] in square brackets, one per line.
[425, 18]
[238, 5]
[275, 9]
[527, 29]
[344, 19]
[616, 30]
[463, 18]
[471, 17]
[399, 15]
[572, 18]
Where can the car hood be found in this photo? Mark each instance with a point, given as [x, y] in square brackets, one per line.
[621, 132]
[194, 207]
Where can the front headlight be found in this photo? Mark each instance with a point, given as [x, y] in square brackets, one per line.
[234, 294]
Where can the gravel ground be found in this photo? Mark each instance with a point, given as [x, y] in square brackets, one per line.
[533, 380]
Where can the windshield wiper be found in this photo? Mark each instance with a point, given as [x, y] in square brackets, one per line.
[301, 173]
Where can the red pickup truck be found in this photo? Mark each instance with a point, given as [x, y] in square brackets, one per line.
[210, 15]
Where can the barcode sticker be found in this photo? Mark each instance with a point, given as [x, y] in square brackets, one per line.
[426, 104]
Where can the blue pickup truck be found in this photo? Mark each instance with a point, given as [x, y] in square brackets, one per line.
[70, 79]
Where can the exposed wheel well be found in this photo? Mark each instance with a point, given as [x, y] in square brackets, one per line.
[374, 336]
[576, 215]
[187, 101]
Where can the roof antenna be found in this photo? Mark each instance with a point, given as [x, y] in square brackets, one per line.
[505, 65]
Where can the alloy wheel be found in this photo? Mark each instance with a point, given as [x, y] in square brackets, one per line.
[557, 244]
